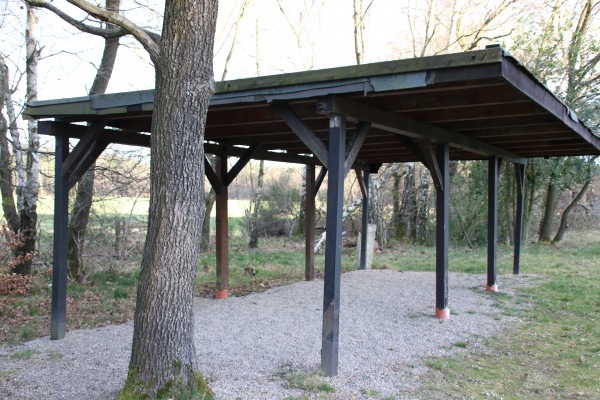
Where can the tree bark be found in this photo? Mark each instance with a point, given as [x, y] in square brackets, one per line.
[422, 208]
[549, 210]
[80, 214]
[163, 357]
[253, 229]
[28, 211]
[564, 220]
[6, 173]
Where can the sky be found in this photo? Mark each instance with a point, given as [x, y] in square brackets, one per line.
[69, 57]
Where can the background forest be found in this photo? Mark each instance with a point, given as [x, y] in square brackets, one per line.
[556, 40]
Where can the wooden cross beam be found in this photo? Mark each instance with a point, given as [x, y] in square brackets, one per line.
[395, 123]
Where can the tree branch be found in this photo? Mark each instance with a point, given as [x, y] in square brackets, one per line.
[149, 40]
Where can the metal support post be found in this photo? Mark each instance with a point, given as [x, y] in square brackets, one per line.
[493, 173]
[61, 222]
[333, 247]
[442, 213]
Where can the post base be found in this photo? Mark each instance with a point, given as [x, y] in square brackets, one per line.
[491, 288]
[442, 314]
[221, 294]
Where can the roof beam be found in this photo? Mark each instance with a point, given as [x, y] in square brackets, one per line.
[53, 128]
[394, 123]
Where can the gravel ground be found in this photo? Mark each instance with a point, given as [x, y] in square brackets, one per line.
[251, 347]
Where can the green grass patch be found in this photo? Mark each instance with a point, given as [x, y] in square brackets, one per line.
[311, 382]
[55, 355]
[23, 355]
[554, 354]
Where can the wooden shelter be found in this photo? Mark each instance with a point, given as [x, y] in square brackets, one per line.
[466, 106]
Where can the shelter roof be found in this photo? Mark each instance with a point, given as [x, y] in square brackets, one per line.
[482, 102]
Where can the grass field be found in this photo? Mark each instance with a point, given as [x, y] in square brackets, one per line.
[553, 354]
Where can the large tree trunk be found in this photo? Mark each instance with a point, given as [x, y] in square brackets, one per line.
[422, 207]
[6, 173]
[408, 210]
[28, 211]
[549, 209]
[163, 357]
[253, 230]
[209, 202]
[564, 220]
[84, 196]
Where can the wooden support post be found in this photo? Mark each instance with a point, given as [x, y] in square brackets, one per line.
[222, 230]
[493, 173]
[333, 247]
[520, 181]
[442, 212]
[58, 320]
[364, 236]
[309, 218]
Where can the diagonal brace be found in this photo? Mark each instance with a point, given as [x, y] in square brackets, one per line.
[91, 135]
[214, 180]
[356, 142]
[241, 163]
[304, 133]
[432, 165]
[90, 157]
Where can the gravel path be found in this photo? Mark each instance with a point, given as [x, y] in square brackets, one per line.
[251, 347]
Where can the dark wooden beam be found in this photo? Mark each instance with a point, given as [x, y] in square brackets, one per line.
[84, 165]
[413, 148]
[58, 319]
[432, 165]
[235, 151]
[492, 235]
[527, 84]
[333, 246]
[309, 219]
[395, 123]
[212, 177]
[364, 237]
[520, 181]
[91, 135]
[241, 163]
[303, 132]
[355, 144]
[442, 232]
[53, 128]
[361, 181]
[320, 179]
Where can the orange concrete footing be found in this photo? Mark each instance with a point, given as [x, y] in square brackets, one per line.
[442, 314]
[221, 294]
[491, 288]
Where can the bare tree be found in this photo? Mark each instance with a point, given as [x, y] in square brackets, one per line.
[22, 214]
[80, 214]
[236, 32]
[359, 16]
[163, 357]
[304, 34]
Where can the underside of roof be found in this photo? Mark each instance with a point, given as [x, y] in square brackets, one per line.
[482, 103]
